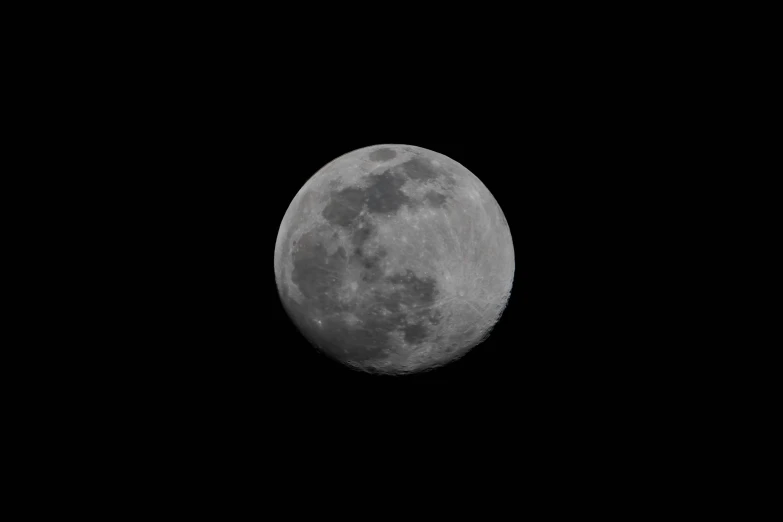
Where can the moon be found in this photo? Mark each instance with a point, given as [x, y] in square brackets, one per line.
[394, 258]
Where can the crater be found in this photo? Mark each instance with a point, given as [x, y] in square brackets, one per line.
[384, 196]
[317, 267]
[366, 329]
[372, 271]
[415, 333]
[436, 199]
[344, 206]
[413, 291]
[382, 155]
[361, 233]
[419, 169]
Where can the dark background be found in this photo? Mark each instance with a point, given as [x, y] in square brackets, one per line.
[561, 179]
[216, 145]
[190, 136]
[574, 350]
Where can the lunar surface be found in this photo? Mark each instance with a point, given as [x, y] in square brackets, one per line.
[394, 258]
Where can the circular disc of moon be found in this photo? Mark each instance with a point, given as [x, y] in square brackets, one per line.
[394, 258]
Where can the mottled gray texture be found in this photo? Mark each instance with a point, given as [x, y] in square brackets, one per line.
[397, 266]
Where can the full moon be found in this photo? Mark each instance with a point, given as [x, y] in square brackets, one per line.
[394, 258]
